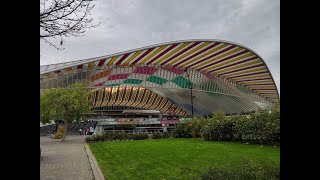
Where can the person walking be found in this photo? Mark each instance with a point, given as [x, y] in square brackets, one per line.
[80, 131]
[91, 131]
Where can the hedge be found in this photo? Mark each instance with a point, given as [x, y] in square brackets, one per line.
[116, 137]
[262, 127]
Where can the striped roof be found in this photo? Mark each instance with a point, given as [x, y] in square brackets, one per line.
[227, 60]
[135, 97]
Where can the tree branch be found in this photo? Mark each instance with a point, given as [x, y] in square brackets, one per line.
[61, 19]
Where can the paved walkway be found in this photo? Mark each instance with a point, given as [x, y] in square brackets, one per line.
[64, 160]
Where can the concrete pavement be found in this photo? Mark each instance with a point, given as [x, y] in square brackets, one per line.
[64, 160]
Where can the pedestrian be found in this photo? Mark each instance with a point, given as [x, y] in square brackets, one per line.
[91, 130]
[80, 131]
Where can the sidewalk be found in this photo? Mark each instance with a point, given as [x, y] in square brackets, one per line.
[64, 160]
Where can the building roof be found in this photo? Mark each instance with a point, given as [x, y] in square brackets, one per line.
[222, 61]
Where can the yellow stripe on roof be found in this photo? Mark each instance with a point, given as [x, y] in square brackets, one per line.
[112, 60]
[264, 75]
[230, 61]
[172, 52]
[215, 49]
[237, 49]
[246, 64]
[132, 57]
[190, 52]
[151, 55]
[246, 71]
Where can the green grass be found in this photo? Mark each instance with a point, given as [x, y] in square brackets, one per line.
[175, 158]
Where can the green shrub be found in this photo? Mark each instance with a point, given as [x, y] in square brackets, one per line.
[182, 130]
[262, 127]
[260, 170]
[220, 128]
[161, 135]
[196, 125]
[238, 121]
[116, 137]
[216, 174]
[264, 170]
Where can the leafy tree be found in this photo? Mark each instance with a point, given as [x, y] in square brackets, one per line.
[68, 104]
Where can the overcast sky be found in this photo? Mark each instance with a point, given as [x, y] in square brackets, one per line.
[131, 24]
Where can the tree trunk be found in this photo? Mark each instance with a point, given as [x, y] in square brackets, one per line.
[65, 130]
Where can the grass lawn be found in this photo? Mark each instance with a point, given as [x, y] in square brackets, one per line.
[175, 158]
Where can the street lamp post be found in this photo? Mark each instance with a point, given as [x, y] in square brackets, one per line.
[186, 71]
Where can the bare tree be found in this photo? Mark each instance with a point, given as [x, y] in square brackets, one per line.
[64, 18]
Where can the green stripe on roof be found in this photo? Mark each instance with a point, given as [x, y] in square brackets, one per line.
[132, 81]
[182, 82]
[156, 80]
[108, 85]
[243, 90]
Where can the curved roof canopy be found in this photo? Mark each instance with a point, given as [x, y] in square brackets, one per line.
[227, 61]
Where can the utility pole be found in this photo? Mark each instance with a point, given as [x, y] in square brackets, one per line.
[186, 71]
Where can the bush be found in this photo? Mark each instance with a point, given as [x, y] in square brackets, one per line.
[250, 170]
[116, 137]
[259, 170]
[262, 127]
[182, 130]
[196, 125]
[238, 122]
[219, 128]
[216, 174]
[59, 133]
[161, 135]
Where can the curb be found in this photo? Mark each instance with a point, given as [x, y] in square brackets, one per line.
[96, 171]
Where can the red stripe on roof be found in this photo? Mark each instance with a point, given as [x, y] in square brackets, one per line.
[258, 85]
[80, 67]
[135, 99]
[143, 55]
[164, 105]
[144, 93]
[123, 58]
[161, 54]
[259, 65]
[227, 49]
[236, 63]
[110, 95]
[148, 98]
[196, 54]
[124, 94]
[145, 70]
[103, 97]
[101, 62]
[178, 54]
[153, 101]
[224, 59]
[248, 74]
[115, 100]
[174, 70]
[130, 95]
[246, 80]
[118, 76]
